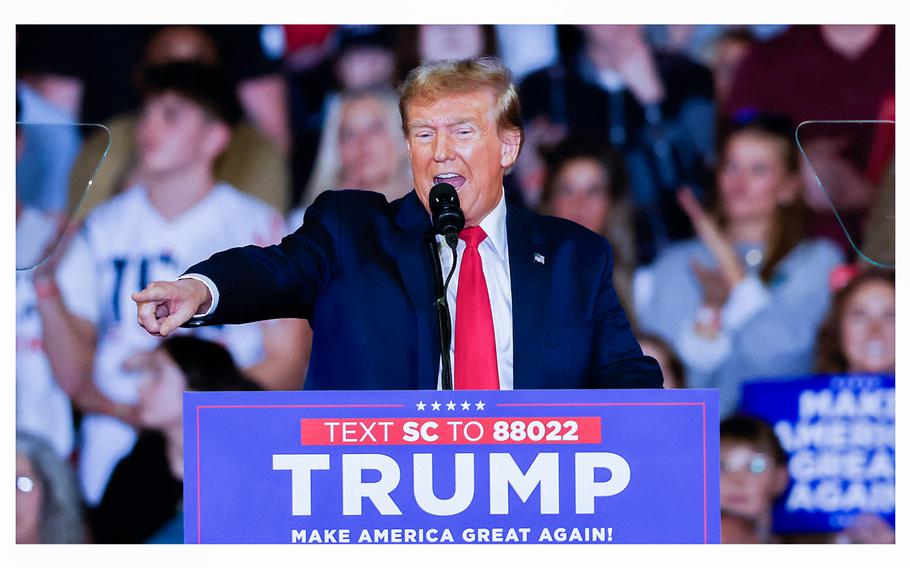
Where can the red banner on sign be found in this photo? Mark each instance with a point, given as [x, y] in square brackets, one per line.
[423, 431]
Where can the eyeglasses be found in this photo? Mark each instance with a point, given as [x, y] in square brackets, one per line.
[25, 484]
[755, 463]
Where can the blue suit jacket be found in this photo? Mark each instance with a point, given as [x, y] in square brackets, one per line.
[360, 271]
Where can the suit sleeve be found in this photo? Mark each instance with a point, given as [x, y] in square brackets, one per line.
[618, 360]
[279, 281]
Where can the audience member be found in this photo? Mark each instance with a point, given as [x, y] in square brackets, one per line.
[54, 141]
[729, 50]
[826, 73]
[432, 42]
[48, 509]
[89, 69]
[858, 335]
[654, 107]
[361, 148]
[250, 163]
[588, 186]
[365, 57]
[745, 298]
[180, 215]
[144, 497]
[254, 56]
[361, 57]
[753, 473]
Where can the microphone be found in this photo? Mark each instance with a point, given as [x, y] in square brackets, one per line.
[448, 218]
[448, 221]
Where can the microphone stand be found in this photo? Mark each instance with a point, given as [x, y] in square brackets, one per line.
[443, 317]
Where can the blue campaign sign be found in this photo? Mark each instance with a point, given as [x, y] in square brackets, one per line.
[593, 466]
[838, 431]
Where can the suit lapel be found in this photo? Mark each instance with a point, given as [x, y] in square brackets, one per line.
[530, 273]
[414, 264]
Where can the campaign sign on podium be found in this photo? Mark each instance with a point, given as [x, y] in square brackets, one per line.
[572, 466]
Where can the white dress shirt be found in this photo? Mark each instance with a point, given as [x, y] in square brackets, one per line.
[494, 255]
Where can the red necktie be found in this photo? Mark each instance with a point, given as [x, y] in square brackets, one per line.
[475, 342]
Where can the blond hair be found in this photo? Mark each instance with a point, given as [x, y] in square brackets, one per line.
[436, 79]
[327, 172]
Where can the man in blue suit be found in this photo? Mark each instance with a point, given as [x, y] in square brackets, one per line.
[532, 298]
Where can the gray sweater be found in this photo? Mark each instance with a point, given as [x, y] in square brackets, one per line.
[767, 330]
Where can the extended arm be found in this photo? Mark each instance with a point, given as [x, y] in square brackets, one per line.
[253, 283]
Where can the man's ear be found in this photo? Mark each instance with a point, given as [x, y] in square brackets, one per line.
[217, 139]
[511, 142]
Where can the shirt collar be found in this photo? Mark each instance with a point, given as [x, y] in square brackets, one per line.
[494, 225]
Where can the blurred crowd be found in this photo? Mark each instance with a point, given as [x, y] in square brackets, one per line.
[743, 249]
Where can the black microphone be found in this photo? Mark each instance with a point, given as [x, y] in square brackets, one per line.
[448, 221]
[448, 218]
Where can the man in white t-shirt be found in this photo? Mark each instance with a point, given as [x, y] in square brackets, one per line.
[180, 216]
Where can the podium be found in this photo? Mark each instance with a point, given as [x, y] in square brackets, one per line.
[428, 467]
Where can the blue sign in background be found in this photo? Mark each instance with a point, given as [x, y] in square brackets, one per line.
[840, 446]
[669, 439]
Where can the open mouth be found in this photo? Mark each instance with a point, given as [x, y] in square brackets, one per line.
[455, 180]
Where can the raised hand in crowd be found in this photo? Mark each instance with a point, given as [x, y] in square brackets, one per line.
[729, 266]
[632, 58]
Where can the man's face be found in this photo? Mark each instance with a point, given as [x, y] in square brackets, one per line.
[173, 135]
[454, 139]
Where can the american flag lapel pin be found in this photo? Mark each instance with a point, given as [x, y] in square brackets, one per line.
[538, 258]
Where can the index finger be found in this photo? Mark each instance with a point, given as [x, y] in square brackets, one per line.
[687, 200]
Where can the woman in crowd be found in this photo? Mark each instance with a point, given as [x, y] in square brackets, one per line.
[587, 186]
[361, 148]
[143, 500]
[48, 510]
[858, 335]
[745, 298]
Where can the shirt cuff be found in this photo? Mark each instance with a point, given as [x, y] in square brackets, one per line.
[746, 299]
[213, 290]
